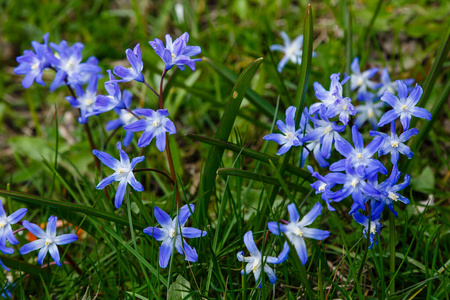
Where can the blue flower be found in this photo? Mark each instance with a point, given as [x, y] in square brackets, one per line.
[328, 98]
[173, 232]
[356, 185]
[177, 53]
[368, 111]
[135, 72]
[296, 230]
[360, 80]
[342, 107]
[375, 226]
[31, 64]
[47, 240]
[290, 136]
[390, 86]
[6, 233]
[125, 118]
[358, 156]
[155, 124]
[325, 131]
[324, 184]
[123, 172]
[389, 190]
[114, 99]
[312, 145]
[394, 144]
[69, 69]
[404, 106]
[292, 50]
[256, 260]
[85, 100]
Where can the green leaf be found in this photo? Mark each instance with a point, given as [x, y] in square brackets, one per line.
[425, 181]
[225, 126]
[179, 289]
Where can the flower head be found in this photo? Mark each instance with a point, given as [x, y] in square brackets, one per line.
[374, 225]
[404, 106]
[256, 261]
[47, 240]
[172, 231]
[290, 136]
[85, 100]
[6, 233]
[296, 230]
[177, 53]
[389, 190]
[360, 80]
[123, 172]
[388, 85]
[135, 71]
[324, 184]
[155, 124]
[328, 98]
[368, 110]
[31, 64]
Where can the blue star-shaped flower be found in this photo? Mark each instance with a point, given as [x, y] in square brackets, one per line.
[290, 136]
[155, 124]
[390, 86]
[47, 240]
[85, 100]
[256, 260]
[324, 184]
[173, 232]
[123, 172]
[177, 53]
[404, 106]
[6, 233]
[368, 110]
[31, 64]
[360, 80]
[296, 230]
[394, 144]
[135, 71]
[375, 226]
[328, 98]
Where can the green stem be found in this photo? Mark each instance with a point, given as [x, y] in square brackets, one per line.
[392, 249]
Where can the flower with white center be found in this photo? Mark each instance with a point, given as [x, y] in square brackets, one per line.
[290, 136]
[368, 111]
[135, 71]
[292, 50]
[125, 118]
[172, 234]
[374, 224]
[6, 233]
[47, 240]
[155, 124]
[342, 107]
[85, 100]
[360, 80]
[389, 190]
[328, 98]
[390, 86]
[123, 172]
[404, 106]
[324, 184]
[256, 262]
[296, 230]
[394, 144]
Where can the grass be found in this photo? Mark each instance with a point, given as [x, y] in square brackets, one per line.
[46, 163]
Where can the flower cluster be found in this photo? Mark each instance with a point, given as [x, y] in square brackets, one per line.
[357, 174]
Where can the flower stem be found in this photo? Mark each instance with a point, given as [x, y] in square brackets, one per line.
[146, 84]
[392, 250]
[156, 171]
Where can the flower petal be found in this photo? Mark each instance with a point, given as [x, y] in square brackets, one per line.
[64, 239]
[156, 233]
[16, 216]
[190, 232]
[120, 193]
[41, 255]
[53, 249]
[34, 229]
[311, 215]
[314, 233]
[34, 245]
[165, 252]
[162, 217]
[250, 244]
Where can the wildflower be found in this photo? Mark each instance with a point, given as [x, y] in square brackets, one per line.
[358, 156]
[324, 184]
[123, 172]
[173, 232]
[389, 190]
[155, 124]
[292, 51]
[311, 145]
[114, 99]
[125, 118]
[394, 144]
[290, 136]
[85, 100]
[328, 98]
[342, 107]
[368, 111]
[6, 233]
[388, 85]
[135, 71]
[374, 224]
[256, 260]
[325, 131]
[69, 69]
[176, 53]
[296, 230]
[31, 64]
[360, 80]
[404, 106]
[47, 240]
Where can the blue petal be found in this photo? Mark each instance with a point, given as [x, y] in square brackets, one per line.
[34, 229]
[422, 113]
[137, 186]
[360, 219]
[388, 118]
[250, 244]
[16, 216]
[106, 159]
[136, 160]
[269, 271]
[300, 247]
[27, 248]
[344, 148]
[156, 233]
[311, 215]
[51, 226]
[139, 125]
[105, 181]
[162, 217]
[314, 233]
[161, 141]
[165, 252]
[41, 255]
[189, 232]
[293, 213]
[274, 227]
[120, 193]
[53, 249]
[146, 138]
[283, 254]
[184, 213]
[64, 239]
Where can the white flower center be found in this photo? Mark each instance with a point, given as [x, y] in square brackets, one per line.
[345, 107]
[48, 242]
[89, 101]
[370, 113]
[173, 55]
[156, 123]
[298, 232]
[256, 264]
[57, 55]
[2, 224]
[393, 196]
[373, 227]
[322, 187]
[394, 144]
[172, 232]
[404, 107]
[360, 81]
[355, 182]
[359, 156]
[35, 66]
[328, 129]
